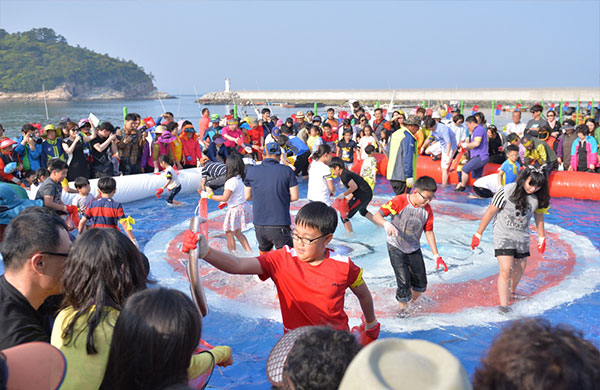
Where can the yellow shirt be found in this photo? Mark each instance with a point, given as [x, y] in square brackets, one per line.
[87, 371]
[177, 149]
[84, 371]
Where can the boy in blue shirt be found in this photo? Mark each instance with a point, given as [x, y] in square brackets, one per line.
[508, 171]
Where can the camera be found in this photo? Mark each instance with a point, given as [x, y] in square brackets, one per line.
[37, 140]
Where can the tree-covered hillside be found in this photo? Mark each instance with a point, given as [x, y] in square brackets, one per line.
[40, 56]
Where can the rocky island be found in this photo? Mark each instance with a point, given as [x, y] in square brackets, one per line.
[40, 64]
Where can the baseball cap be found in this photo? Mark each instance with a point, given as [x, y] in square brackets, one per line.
[33, 365]
[215, 118]
[424, 366]
[317, 118]
[273, 148]
[436, 115]
[6, 142]
[412, 120]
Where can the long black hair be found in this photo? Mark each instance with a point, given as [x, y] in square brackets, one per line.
[322, 150]
[235, 166]
[103, 269]
[538, 179]
[153, 341]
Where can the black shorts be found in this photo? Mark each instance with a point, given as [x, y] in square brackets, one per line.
[172, 193]
[410, 272]
[358, 205]
[269, 236]
[511, 252]
[301, 164]
[399, 187]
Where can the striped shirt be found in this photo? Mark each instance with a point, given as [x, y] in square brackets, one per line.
[105, 213]
[213, 169]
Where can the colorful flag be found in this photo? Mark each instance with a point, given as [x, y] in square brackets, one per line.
[498, 109]
[551, 106]
[589, 106]
[149, 122]
[475, 109]
[565, 106]
[518, 108]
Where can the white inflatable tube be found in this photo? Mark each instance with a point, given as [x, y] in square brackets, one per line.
[143, 185]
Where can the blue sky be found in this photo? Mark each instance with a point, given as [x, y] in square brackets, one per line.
[333, 44]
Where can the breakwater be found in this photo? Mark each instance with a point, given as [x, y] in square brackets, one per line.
[405, 96]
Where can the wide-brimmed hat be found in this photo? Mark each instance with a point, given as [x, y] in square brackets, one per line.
[160, 129]
[396, 364]
[299, 115]
[436, 115]
[51, 127]
[412, 120]
[34, 365]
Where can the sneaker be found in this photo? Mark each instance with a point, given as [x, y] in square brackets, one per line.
[435, 158]
[170, 204]
[460, 189]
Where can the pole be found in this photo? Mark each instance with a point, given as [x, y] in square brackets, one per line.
[45, 104]
[462, 107]
[424, 104]
[592, 110]
[124, 113]
[560, 109]
[377, 104]
[577, 113]
[235, 111]
[315, 108]
[162, 105]
[493, 111]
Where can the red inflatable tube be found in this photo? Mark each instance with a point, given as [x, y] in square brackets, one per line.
[563, 184]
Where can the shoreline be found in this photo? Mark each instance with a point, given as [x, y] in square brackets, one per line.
[64, 93]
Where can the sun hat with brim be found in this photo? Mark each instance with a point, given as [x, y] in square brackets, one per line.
[299, 115]
[83, 123]
[399, 364]
[279, 353]
[412, 120]
[189, 129]
[48, 128]
[160, 129]
[6, 142]
[219, 140]
[35, 365]
[436, 115]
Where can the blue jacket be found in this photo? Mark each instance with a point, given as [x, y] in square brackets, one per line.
[32, 159]
[50, 151]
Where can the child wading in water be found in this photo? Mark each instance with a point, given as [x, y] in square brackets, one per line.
[239, 212]
[513, 206]
[311, 280]
[411, 215]
[172, 184]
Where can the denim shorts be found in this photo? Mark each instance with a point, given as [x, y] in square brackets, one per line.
[410, 272]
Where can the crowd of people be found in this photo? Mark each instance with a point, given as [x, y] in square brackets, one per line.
[89, 297]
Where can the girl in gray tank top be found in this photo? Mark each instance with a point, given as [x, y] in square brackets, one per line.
[512, 207]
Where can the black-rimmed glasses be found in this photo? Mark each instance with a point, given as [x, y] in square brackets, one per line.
[306, 241]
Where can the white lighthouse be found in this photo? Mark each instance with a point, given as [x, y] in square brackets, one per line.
[227, 84]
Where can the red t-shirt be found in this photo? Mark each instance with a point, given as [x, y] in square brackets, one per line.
[255, 135]
[310, 295]
[330, 138]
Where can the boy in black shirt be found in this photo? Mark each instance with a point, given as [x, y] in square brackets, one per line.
[358, 192]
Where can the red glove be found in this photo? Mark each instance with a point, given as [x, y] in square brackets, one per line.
[439, 261]
[541, 245]
[190, 239]
[71, 209]
[373, 333]
[475, 240]
[222, 205]
[159, 192]
[157, 173]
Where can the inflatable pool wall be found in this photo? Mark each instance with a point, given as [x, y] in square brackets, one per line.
[563, 184]
[143, 185]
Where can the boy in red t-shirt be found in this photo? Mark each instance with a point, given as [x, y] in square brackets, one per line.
[411, 215]
[311, 280]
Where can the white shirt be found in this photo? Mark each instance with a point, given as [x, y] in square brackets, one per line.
[489, 182]
[236, 186]
[171, 174]
[460, 132]
[318, 173]
[515, 128]
[364, 142]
